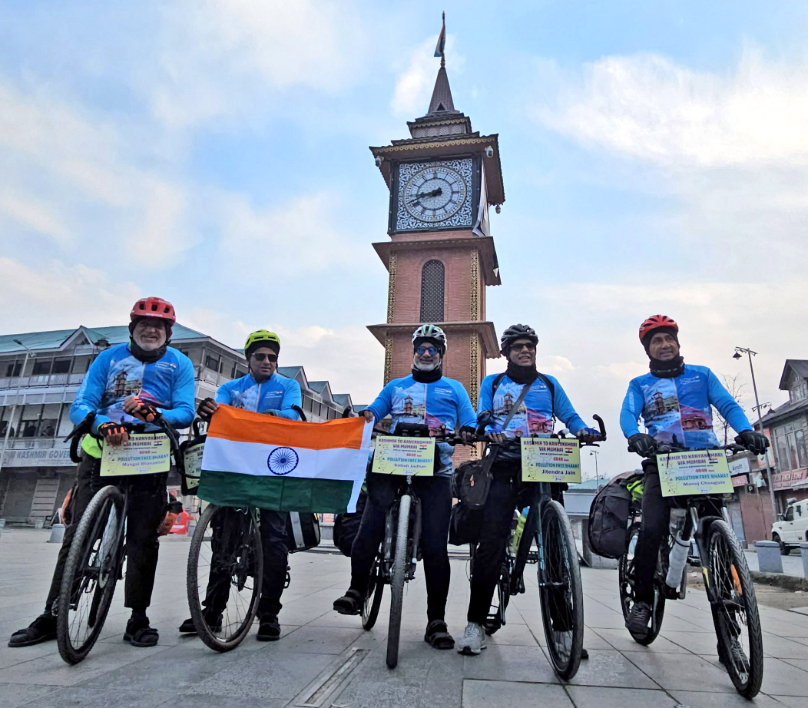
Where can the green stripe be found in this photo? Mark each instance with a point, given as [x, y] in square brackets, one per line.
[322, 496]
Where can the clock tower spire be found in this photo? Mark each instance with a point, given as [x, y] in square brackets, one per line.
[440, 254]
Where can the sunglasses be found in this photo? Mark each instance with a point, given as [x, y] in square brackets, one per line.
[269, 357]
[427, 350]
[524, 345]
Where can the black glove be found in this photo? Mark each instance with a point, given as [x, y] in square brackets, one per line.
[203, 416]
[642, 444]
[756, 443]
[105, 430]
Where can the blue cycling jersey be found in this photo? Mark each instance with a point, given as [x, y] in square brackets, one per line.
[678, 411]
[535, 415]
[275, 395]
[442, 402]
[115, 375]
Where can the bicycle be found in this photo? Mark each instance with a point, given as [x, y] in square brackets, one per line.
[730, 591]
[95, 562]
[399, 551]
[558, 574]
[224, 575]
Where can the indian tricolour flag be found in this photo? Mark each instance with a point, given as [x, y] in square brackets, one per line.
[258, 460]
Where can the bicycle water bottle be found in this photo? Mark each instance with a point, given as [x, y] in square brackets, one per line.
[678, 554]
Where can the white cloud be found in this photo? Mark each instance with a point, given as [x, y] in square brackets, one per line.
[650, 107]
[58, 154]
[298, 236]
[221, 58]
[415, 83]
[58, 296]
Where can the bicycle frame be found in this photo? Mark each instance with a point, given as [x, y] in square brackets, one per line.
[390, 524]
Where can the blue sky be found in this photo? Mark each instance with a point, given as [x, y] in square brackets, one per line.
[655, 159]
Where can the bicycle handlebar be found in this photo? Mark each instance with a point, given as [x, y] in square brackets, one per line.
[419, 430]
[665, 449]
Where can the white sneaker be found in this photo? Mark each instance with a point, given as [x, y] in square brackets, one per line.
[473, 641]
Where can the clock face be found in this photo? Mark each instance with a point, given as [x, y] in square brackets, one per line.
[434, 195]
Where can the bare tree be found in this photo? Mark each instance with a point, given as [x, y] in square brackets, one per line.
[733, 386]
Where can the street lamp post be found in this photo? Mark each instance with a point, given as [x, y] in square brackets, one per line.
[597, 474]
[739, 352]
[28, 353]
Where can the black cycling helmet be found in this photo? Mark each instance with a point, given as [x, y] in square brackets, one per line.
[514, 332]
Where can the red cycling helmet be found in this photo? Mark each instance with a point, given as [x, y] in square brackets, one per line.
[153, 307]
[656, 322]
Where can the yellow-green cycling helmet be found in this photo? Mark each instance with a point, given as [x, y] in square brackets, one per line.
[262, 338]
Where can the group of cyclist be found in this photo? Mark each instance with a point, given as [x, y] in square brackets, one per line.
[162, 381]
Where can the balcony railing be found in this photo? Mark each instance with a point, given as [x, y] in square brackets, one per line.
[41, 380]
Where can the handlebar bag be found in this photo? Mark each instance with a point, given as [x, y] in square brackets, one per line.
[608, 517]
[346, 526]
[302, 531]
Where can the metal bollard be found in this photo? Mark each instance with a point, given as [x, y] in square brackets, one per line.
[2, 524]
[57, 533]
[769, 559]
[804, 549]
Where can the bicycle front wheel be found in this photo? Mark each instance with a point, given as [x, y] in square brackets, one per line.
[397, 582]
[373, 600]
[735, 611]
[560, 593]
[224, 576]
[90, 574]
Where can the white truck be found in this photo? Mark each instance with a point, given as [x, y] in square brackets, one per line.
[791, 528]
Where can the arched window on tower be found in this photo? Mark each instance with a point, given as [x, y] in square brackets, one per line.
[433, 279]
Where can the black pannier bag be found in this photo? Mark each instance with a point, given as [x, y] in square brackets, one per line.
[608, 517]
[302, 531]
[346, 526]
[465, 522]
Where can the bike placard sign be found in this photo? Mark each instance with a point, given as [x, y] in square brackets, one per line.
[193, 464]
[404, 456]
[145, 453]
[551, 460]
[694, 472]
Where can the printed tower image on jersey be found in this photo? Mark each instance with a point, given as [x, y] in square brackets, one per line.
[529, 421]
[409, 406]
[674, 422]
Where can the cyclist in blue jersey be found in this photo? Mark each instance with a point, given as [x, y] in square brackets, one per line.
[674, 401]
[262, 390]
[141, 380]
[544, 401]
[429, 398]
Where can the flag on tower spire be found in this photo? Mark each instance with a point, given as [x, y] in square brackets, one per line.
[440, 49]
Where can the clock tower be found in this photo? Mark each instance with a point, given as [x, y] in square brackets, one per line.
[440, 253]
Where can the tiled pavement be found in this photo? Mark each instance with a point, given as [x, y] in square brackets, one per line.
[679, 668]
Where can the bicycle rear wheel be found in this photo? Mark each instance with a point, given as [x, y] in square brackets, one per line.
[560, 593]
[373, 600]
[626, 584]
[400, 563]
[735, 610]
[224, 576]
[90, 574]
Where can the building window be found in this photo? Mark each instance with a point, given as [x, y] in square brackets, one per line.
[800, 391]
[28, 428]
[790, 448]
[41, 368]
[433, 278]
[13, 370]
[212, 363]
[61, 366]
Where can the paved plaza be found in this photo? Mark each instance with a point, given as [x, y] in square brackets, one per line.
[324, 659]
